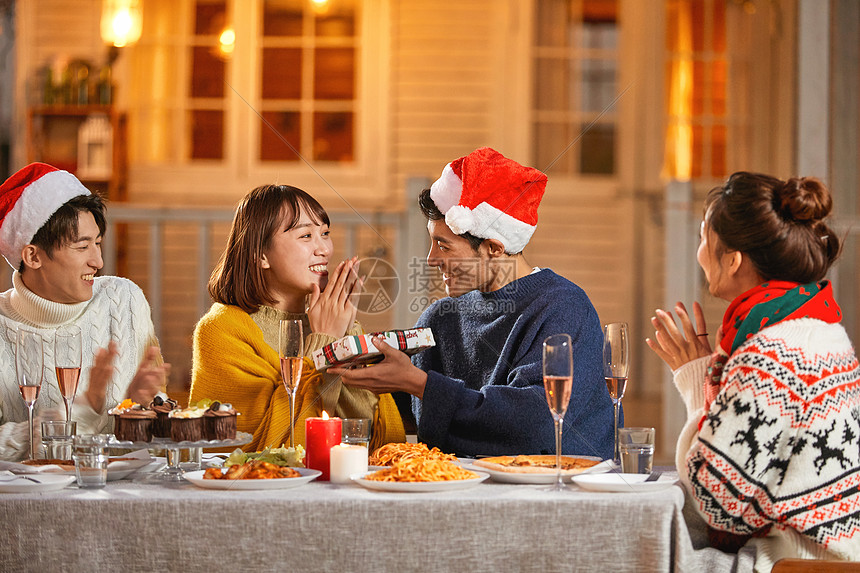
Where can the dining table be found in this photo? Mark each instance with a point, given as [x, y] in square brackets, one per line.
[136, 525]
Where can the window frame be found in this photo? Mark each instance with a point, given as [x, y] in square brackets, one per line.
[569, 117]
[327, 180]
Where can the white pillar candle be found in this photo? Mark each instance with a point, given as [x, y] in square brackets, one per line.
[347, 460]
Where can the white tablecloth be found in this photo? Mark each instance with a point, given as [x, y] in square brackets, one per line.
[129, 526]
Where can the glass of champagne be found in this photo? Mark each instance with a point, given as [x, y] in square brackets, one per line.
[67, 363]
[616, 356]
[557, 382]
[29, 364]
[291, 345]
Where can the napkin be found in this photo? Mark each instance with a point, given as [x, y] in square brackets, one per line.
[359, 350]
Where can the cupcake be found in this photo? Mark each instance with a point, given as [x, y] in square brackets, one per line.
[162, 406]
[220, 422]
[186, 424]
[131, 422]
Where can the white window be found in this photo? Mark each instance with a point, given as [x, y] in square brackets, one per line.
[251, 83]
[574, 83]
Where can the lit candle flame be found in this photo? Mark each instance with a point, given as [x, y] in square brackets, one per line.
[325, 415]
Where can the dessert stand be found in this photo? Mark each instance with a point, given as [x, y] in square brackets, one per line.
[173, 472]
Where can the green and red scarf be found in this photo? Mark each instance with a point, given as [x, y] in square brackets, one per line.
[763, 306]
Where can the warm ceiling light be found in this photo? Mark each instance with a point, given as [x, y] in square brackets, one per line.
[320, 6]
[121, 21]
[227, 41]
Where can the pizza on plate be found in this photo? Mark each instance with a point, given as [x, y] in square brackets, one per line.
[537, 464]
[65, 464]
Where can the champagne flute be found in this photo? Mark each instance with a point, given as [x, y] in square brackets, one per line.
[67, 363]
[291, 344]
[557, 382]
[29, 364]
[615, 363]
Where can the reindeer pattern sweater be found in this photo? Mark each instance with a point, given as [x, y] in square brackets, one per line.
[778, 451]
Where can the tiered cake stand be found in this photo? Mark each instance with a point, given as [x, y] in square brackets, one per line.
[173, 473]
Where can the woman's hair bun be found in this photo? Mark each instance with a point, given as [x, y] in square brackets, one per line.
[803, 199]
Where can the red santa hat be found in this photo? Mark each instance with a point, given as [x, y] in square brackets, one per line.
[490, 196]
[27, 201]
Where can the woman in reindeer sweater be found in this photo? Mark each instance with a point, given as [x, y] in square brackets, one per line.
[771, 450]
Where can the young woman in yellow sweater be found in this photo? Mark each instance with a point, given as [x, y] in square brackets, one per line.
[275, 266]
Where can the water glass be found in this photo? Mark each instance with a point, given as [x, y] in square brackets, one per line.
[637, 450]
[91, 461]
[58, 436]
[91, 469]
[355, 431]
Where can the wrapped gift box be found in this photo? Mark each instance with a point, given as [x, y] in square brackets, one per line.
[358, 350]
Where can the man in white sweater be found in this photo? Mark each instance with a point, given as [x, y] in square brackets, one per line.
[51, 229]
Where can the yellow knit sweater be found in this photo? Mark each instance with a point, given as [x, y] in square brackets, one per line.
[232, 363]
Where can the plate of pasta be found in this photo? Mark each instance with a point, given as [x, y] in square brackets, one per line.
[420, 475]
[394, 452]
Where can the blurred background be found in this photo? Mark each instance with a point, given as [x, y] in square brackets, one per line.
[174, 109]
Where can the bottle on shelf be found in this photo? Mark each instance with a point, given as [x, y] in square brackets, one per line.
[105, 85]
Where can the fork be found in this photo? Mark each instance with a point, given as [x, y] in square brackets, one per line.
[655, 475]
[21, 477]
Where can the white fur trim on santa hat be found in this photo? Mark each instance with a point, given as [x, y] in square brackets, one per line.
[34, 207]
[460, 219]
[446, 190]
[487, 222]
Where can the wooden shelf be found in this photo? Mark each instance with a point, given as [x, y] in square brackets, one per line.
[71, 110]
[52, 137]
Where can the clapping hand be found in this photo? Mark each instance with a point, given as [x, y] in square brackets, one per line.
[333, 310]
[677, 347]
[149, 379]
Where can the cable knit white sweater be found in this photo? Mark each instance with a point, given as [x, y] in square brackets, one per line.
[117, 311]
[780, 445]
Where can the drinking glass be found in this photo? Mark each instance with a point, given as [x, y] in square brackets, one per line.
[355, 431]
[637, 450]
[90, 459]
[29, 364]
[57, 437]
[67, 363]
[557, 382]
[616, 356]
[291, 344]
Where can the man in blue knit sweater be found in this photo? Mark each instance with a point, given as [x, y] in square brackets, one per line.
[479, 391]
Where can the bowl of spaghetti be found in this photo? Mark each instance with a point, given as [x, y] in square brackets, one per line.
[420, 474]
[389, 454]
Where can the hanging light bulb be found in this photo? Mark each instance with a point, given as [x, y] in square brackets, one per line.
[121, 21]
[227, 41]
[320, 7]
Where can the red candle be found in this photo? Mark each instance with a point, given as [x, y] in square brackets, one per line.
[320, 435]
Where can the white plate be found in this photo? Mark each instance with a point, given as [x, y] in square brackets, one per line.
[47, 482]
[622, 482]
[419, 486]
[245, 484]
[541, 478]
[116, 470]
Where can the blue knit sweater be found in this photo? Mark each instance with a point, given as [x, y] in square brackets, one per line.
[484, 392]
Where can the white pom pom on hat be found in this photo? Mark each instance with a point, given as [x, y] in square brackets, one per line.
[27, 200]
[490, 196]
